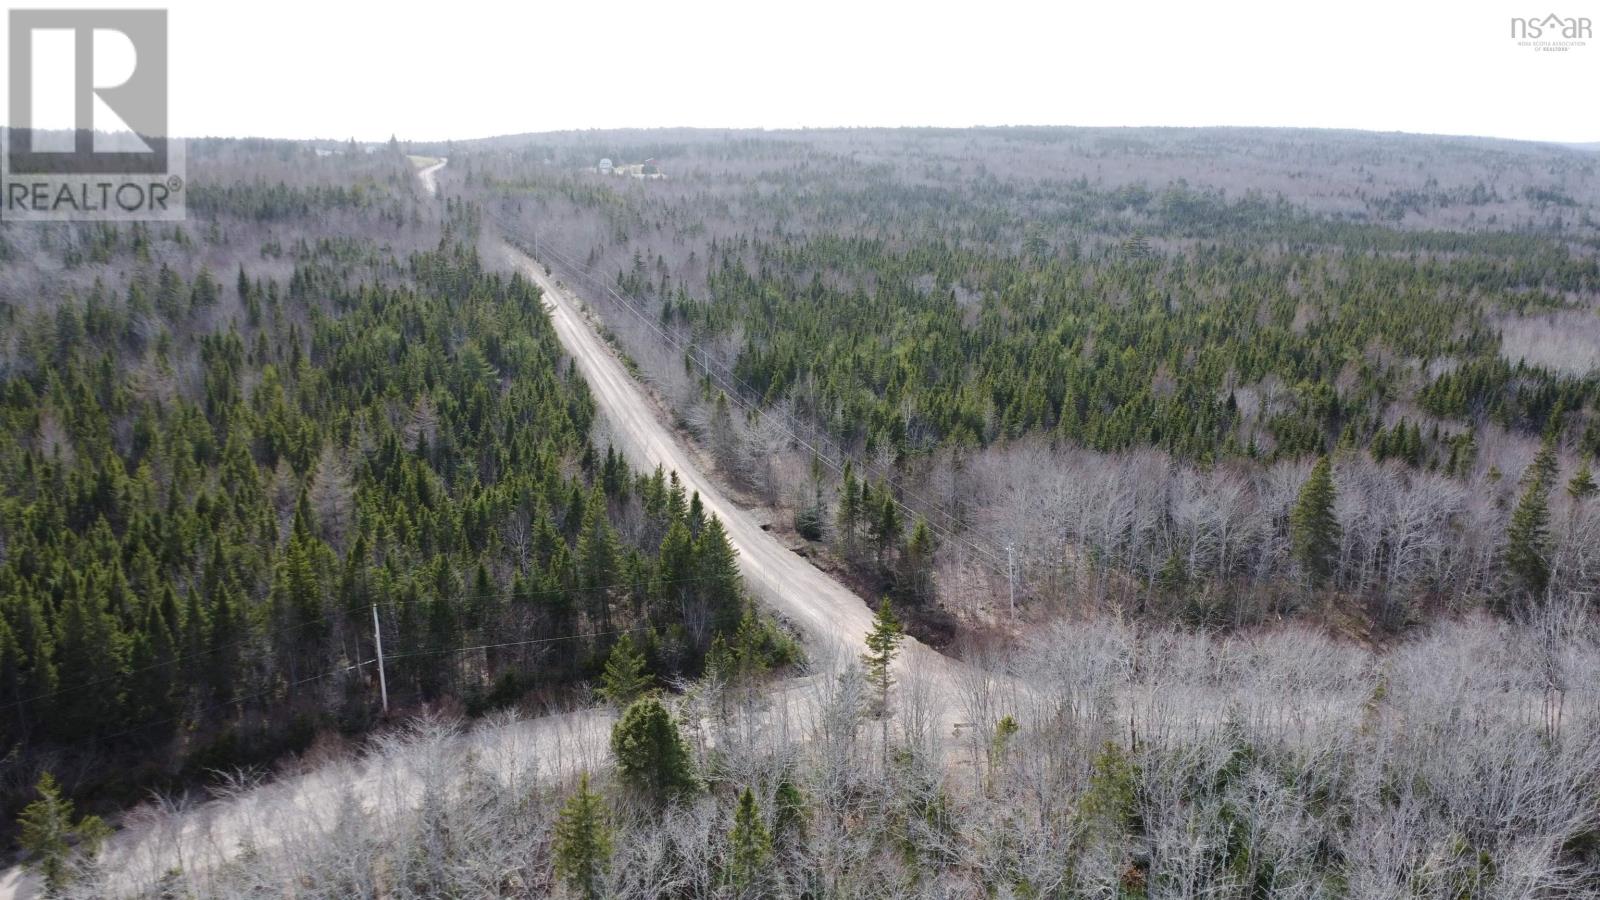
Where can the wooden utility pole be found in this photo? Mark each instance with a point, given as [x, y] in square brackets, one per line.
[377, 637]
[1011, 580]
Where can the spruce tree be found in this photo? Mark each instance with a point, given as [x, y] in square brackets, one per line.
[883, 645]
[47, 833]
[652, 756]
[1545, 464]
[625, 676]
[789, 818]
[809, 519]
[724, 438]
[1313, 527]
[885, 523]
[717, 575]
[849, 515]
[1173, 575]
[1527, 552]
[916, 565]
[1582, 486]
[750, 846]
[598, 559]
[88, 643]
[583, 842]
[675, 567]
[696, 517]
[151, 682]
[13, 689]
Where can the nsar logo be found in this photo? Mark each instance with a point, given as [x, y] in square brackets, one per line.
[1552, 33]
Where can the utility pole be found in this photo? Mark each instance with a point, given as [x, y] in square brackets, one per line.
[377, 637]
[1011, 580]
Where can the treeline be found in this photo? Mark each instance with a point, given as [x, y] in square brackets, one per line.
[197, 522]
[276, 202]
[927, 296]
[1206, 356]
[925, 305]
[1137, 763]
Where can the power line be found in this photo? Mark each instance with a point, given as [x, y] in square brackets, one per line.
[353, 667]
[231, 702]
[327, 618]
[531, 641]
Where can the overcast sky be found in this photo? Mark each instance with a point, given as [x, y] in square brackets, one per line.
[465, 69]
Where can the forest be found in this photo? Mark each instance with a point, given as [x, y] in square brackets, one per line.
[1221, 502]
[237, 450]
[1116, 352]
[1141, 762]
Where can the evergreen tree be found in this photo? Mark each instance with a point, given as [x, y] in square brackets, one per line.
[750, 846]
[583, 842]
[222, 660]
[1545, 463]
[1000, 742]
[675, 568]
[789, 819]
[809, 519]
[153, 675]
[849, 515]
[482, 602]
[916, 565]
[298, 585]
[599, 559]
[1582, 485]
[883, 645]
[885, 523]
[1172, 576]
[151, 573]
[1313, 527]
[89, 645]
[47, 832]
[696, 517]
[724, 439]
[625, 676]
[1527, 551]
[652, 757]
[717, 575]
[13, 686]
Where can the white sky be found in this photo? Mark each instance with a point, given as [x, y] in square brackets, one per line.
[466, 69]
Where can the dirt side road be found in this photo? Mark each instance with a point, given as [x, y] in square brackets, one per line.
[833, 621]
[829, 614]
[428, 174]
